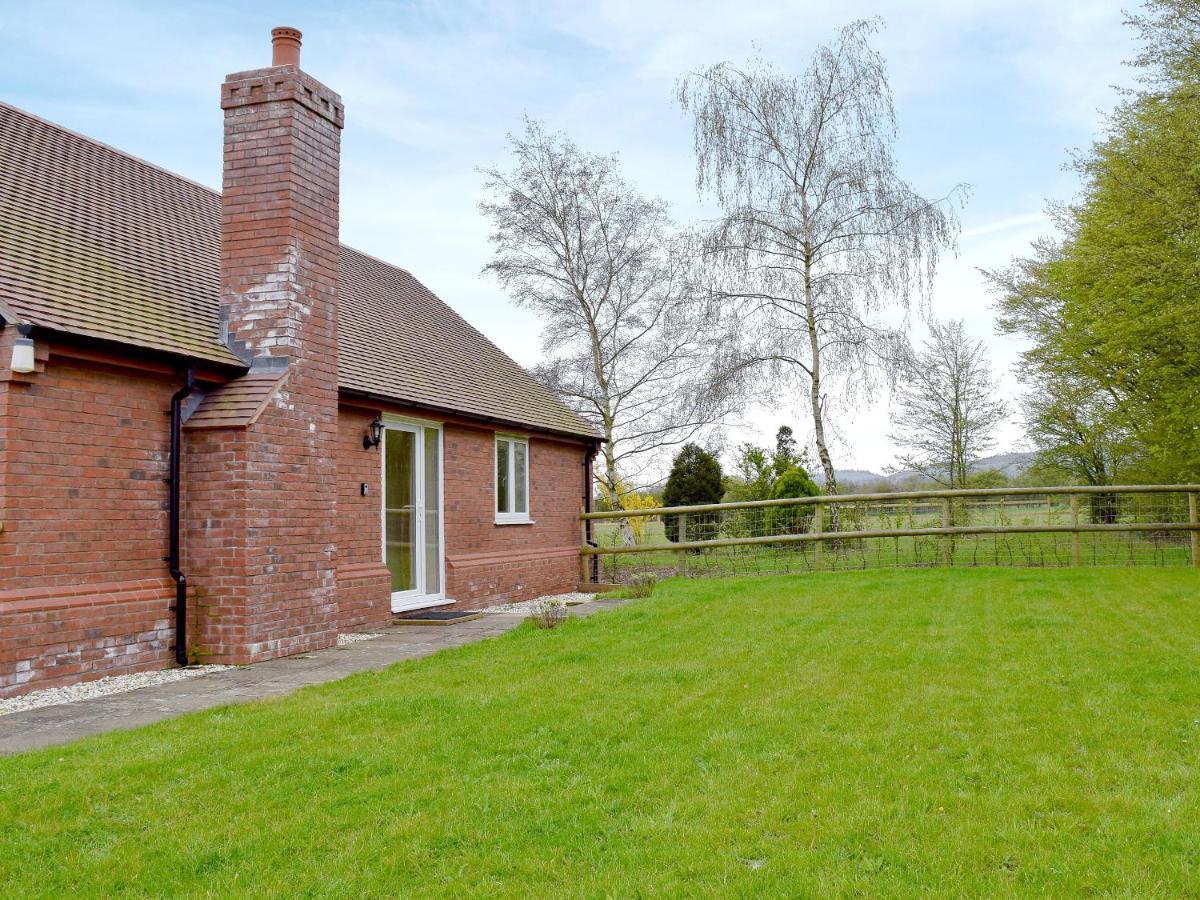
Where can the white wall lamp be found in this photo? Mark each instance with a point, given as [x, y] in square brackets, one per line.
[22, 351]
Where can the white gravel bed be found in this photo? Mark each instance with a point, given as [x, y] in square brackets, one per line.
[356, 637]
[572, 599]
[101, 687]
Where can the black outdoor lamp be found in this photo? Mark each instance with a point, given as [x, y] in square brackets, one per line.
[374, 435]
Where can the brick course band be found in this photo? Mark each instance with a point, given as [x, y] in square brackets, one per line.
[111, 629]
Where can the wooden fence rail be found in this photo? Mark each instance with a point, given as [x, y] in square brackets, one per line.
[901, 497]
[816, 532]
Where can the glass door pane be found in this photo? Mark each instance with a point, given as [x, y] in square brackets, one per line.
[502, 476]
[520, 475]
[433, 512]
[399, 508]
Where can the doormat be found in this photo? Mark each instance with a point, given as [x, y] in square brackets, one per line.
[437, 617]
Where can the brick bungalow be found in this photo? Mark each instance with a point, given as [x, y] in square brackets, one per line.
[224, 437]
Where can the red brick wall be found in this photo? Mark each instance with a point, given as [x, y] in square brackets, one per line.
[83, 587]
[488, 563]
[364, 583]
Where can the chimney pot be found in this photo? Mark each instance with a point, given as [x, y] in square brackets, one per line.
[285, 47]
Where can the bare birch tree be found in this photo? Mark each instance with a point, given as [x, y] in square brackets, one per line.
[946, 409]
[818, 231]
[627, 338]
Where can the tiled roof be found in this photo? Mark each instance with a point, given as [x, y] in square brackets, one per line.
[98, 243]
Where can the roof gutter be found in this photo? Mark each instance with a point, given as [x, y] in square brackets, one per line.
[476, 417]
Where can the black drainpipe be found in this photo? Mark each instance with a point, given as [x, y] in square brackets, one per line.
[177, 575]
[589, 459]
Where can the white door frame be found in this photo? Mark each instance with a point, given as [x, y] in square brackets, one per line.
[417, 598]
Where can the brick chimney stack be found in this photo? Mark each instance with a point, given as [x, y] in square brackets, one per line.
[260, 514]
[279, 210]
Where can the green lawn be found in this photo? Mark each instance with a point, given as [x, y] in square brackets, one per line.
[881, 733]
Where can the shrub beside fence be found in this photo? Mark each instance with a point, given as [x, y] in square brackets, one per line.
[1156, 525]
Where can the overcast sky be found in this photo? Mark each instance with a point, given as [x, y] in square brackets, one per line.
[995, 94]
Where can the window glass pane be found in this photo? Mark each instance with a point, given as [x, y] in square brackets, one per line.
[399, 507]
[502, 476]
[520, 476]
[433, 513]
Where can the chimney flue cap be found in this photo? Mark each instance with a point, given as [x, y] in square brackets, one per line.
[285, 47]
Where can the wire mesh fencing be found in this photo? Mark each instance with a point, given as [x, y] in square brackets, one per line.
[1141, 525]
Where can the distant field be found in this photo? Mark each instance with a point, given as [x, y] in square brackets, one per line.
[938, 733]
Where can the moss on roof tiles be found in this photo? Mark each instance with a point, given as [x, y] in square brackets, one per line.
[99, 243]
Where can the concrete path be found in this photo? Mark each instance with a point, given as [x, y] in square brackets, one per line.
[49, 725]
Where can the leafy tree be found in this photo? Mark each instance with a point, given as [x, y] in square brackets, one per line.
[1170, 34]
[1077, 432]
[1111, 309]
[755, 476]
[1074, 421]
[794, 482]
[695, 479]
[946, 410]
[786, 454]
[818, 230]
[758, 469]
[988, 478]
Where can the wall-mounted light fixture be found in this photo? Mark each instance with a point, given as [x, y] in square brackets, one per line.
[22, 351]
[374, 435]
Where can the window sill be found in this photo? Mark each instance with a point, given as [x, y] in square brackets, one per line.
[513, 520]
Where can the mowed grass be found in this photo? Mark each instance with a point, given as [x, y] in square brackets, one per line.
[982, 732]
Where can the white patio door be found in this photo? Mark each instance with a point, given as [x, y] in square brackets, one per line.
[412, 513]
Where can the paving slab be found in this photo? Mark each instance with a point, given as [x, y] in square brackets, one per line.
[47, 726]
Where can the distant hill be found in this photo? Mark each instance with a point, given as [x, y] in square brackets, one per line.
[853, 476]
[1011, 464]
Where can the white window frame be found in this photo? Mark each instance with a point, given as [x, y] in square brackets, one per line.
[511, 518]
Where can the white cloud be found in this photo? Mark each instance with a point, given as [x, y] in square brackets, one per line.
[1006, 224]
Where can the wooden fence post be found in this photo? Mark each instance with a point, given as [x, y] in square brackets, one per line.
[584, 559]
[1075, 533]
[946, 537]
[682, 533]
[818, 528]
[1194, 521]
